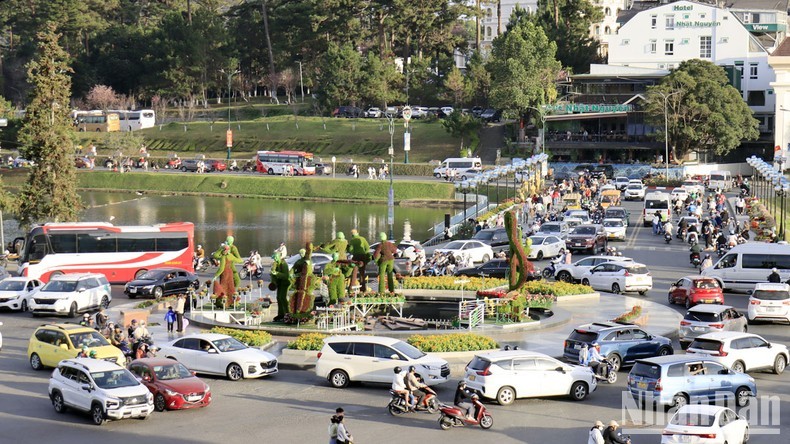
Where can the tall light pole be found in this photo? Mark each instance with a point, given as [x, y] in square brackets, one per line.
[666, 132]
[391, 197]
[301, 83]
[230, 75]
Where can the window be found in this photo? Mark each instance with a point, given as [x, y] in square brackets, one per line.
[607, 12]
[87, 243]
[756, 98]
[653, 21]
[523, 364]
[705, 51]
[489, 13]
[63, 243]
[669, 21]
[653, 46]
[340, 348]
[747, 18]
[753, 71]
[755, 18]
[384, 352]
[363, 349]
[669, 47]
[597, 30]
[739, 67]
[488, 31]
[171, 244]
[607, 30]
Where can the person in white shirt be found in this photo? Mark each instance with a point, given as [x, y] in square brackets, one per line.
[282, 250]
[343, 435]
[596, 434]
[399, 384]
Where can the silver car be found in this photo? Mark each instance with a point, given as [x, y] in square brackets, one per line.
[707, 318]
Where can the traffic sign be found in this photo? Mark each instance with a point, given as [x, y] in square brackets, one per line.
[407, 113]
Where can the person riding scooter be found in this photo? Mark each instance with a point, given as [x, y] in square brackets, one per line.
[695, 250]
[414, 385]
[399, 385]
[461, 397]
[595, 360]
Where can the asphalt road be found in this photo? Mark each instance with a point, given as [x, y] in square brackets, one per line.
[294, 406]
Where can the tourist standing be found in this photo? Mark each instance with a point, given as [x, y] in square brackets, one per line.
[180, 302]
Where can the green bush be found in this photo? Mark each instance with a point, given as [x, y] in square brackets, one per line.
[454, 342]
[448, 283]
[253, 338]
[555, 288]
[308, 341]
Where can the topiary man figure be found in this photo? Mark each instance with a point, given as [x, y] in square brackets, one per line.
[385, 258]
[302, 299]
[335, 278]
[281, 281]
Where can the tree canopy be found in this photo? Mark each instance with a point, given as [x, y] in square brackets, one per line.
[567, 23]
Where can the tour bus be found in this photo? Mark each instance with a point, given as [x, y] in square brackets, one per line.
[276, 162]
[750, 263]
[656, 201]
[120, 253]
[98, 121]
[719, 180]
[136, 120]
[459, 164]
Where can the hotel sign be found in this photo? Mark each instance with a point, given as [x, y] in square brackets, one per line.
[767, 27]
[581, 108]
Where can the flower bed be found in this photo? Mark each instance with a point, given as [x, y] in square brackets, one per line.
[629, 316]
[307, 342]
[253, 338]
[542, 288]
[448, 283]
[455, 342]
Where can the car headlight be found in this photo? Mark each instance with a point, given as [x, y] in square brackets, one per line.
[149, 397]
[431, 368]
[207, 389]
[149, 287]
[169, 392]
[112, 403]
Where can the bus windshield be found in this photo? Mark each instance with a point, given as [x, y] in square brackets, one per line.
[660, 204]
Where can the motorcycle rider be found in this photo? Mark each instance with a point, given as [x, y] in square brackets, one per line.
[414, 385]
[255, 261]
[461, 397]
[774, 277]
[706, 263]
[695, 250]
[399, 386]
[595, 360]
[613, 435]
[668, 228]
[200, 254]
[141, 331]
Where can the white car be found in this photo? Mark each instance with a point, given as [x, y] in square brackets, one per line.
[572, 221]
[615, 228]
[693, 186]
[507, 375]
[545, 246]
[621, 182]
[447, 110]
[680, 193]
[104, 389]
[15, 292]
[619, 277]
[705, 424]
[475, 250]
[608, 186]
[573, 272]
[578, 214]
[769, 302]
[373, 113]
[634, 191]
[559, 229]
[69, 294]
[742, 352]
[343, 359]
[217, 354]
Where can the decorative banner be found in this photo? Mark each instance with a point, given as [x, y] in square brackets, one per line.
[406, 113]
[406, 141]
[229, 139]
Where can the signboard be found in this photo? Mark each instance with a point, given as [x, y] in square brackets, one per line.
[765, 27]
[3, 122]
[406, 113]
[406, 141]
[229, 139]
[571, 108]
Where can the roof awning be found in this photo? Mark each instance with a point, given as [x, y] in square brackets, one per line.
[584, 116]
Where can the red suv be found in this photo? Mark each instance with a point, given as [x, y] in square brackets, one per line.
[693, 290]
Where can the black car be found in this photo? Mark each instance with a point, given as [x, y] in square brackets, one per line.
[348, 112]
[600, 170]
[495, 268]
[491, 115]
[496, 237]
[161, 282]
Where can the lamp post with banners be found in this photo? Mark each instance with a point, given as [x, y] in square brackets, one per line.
[407, 133]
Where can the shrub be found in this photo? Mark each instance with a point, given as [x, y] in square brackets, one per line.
[253, 338]
[555, 288]
[629, 316]
[452, 342]
[448, 283]
[309, 341]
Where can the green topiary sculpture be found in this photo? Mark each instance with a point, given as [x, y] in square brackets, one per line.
[520, 266]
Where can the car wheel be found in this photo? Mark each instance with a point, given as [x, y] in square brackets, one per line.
[616, 362]
[140, 273]
[35, 362]
[664, 351]
[159, 402]
[338, 379]
[780, 363]
[270, 172]
[670, 299]
[183, 169]
[738, 367]
[679, 401]
[73, 310]
[158, 292]
[105, 302]
[486, 422]
[540, 255]
[742, 396]
[643, 292]
[486, 258]
[616, 288]
[586, 282]
[688, 303]
[579, 391]
[243, 273]
[57, 402]
[97, 414]
[506, 395]
[23, 307]
[564, 276]
[234, 372]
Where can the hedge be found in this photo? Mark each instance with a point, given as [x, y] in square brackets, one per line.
[253, 338]
[308, 341]
[455, 342]
[266, 186]
[449, 283]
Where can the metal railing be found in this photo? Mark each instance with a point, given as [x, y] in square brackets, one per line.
[481, 207]
[472, 312]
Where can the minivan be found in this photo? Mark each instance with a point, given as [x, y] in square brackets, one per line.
[748, 264]
[344, 359]
[720, 180]
[459, 164]
[769, 302]
[678, 380]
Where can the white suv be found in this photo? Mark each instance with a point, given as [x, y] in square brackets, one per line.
[769, 302]
[573, 272]
[372, 359]
[69, 294]
[102, 388]
[742, 352]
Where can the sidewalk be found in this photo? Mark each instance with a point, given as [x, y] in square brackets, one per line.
[156, 322]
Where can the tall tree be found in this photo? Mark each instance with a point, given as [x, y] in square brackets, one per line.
[704, 112]
[50, 191]
[380, 81]
[523, 68]
[567, 23]
[339, 72]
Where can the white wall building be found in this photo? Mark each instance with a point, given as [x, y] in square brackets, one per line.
[496, 16]
[604, 30]
[665, 36]
[780, 62]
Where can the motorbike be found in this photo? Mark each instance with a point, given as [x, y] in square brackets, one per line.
[609, 375]
[722, 249]
[398, 406]
[693, 238]
[250, 269]
[667, 237]
[695, 259]
[453, 416]
[549, 271]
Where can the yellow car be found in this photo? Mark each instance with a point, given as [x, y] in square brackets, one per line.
[53, 343]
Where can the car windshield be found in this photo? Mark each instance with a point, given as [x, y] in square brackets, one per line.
[88, 339]
[479, 363]
[583, 230]
[114, 379]
[484, 235]
[228, 344]
[410, 351]
[659, 204]
[11, 285]
[700, 316]
[615, 213]
[634, 186]
[455, 245]
[646, 370]
[583, 336]
[706, 283]
[705, 344]
[693, 419]
[537, 240]
[771, 295]
[60, 286]
[172, 371]
[153, 275]
[613, 223]
[549, 228]
[638, 269]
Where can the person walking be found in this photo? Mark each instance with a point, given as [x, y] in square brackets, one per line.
[596, 434]
[333, 422]
[170, 318]
[179, 311]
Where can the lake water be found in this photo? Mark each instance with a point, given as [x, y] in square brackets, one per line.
[255, 223]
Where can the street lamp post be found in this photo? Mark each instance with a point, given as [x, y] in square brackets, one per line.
[391, 197]
[301, 83]
[334, 159]
[666, 133]
[781, 190]
[230, 77]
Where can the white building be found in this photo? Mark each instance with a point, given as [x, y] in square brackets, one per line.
[496, 15]
[665, 36]
[608, 26]
[780, 62]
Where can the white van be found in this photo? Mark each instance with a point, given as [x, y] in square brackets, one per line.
[459, 165]
[656, 201]
[750, 263]
[719, 180]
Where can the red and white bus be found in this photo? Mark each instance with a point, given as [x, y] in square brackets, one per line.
[120, 253]
[276, 162]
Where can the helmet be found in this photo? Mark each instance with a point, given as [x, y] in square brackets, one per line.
[397, 370]
[200, 246]
[411, 368]
[774, 269]
[595, 344]
[92, 354]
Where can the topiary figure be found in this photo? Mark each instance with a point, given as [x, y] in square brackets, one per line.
[520, 266]
[305, 282]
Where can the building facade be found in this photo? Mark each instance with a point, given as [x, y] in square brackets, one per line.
[604, 30]
[496, 15]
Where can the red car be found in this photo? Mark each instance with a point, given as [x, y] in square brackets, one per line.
[174, 387]
[693, 290]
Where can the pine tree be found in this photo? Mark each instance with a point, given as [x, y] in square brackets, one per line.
[50, 191]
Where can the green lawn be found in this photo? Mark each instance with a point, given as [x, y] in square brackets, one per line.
[357, 139]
